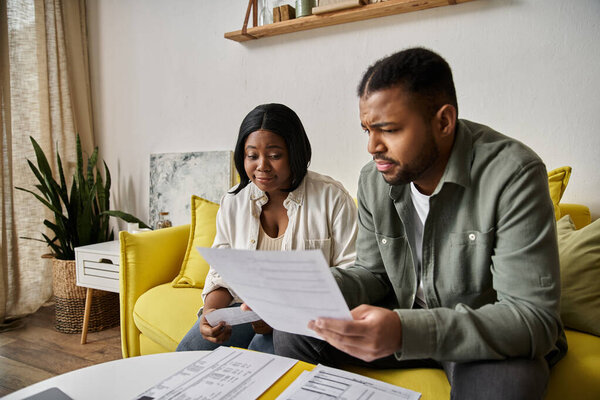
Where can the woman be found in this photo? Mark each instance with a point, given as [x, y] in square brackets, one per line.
[278, 205]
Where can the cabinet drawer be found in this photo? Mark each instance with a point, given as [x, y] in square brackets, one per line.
[99, 266]
[99, 276]
[100, 282]
[98, 258]
[98, 273]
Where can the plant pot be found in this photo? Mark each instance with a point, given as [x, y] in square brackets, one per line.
[70, 302]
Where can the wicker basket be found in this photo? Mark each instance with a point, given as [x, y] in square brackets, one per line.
[70, 302]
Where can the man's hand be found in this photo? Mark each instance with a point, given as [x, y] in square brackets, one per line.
[373, 333]
[260, 326]
[216, 334]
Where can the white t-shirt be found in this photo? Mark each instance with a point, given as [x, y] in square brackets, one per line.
[421, 206]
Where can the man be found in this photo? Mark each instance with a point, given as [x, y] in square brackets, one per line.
[457, 260]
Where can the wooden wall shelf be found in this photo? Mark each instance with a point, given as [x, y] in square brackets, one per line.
[368, 11]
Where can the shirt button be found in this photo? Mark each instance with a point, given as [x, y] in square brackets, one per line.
[252, 241]
[384, 241]
[471, 236]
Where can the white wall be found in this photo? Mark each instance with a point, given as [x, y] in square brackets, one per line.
[165, 80]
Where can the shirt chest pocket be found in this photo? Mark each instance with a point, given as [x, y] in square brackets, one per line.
[319, 244]
[396, 256]
[471, 253]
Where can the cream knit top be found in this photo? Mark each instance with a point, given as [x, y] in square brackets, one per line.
[266, 242]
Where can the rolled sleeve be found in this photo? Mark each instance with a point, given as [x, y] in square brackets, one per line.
[214, 281]
[418, 334]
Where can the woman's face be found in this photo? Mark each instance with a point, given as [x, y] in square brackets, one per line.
[266, 161]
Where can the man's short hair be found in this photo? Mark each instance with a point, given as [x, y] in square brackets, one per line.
[420, 72]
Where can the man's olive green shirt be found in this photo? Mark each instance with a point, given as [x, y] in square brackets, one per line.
[490, 266]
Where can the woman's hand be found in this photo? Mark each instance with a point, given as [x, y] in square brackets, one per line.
[219, 333]
[260, 327]
[218, 298]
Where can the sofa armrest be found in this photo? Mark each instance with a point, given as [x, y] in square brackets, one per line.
[580, 214]
[148, 259]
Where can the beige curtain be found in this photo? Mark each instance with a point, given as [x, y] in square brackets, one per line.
[45, 93]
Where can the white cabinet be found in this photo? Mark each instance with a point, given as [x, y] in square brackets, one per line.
[98, 266]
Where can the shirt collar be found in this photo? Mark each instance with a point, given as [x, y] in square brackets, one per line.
[458, 168]
[297, 196]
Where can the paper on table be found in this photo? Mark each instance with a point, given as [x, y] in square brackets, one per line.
[231, 316]
[224, 373]
[325, 382]
[287, 289]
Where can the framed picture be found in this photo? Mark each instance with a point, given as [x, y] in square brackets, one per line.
[175, 177]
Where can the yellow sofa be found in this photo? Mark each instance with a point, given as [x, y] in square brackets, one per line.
[155, 316]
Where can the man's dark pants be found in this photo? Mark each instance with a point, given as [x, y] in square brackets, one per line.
[513, 378]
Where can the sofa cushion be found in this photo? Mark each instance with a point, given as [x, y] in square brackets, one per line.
[202, 234]
[580, 214]
[148, 346]
[164, 314]
[557, 183]
[577, 375]
[579, 252]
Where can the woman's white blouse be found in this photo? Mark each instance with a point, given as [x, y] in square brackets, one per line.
[322, 215]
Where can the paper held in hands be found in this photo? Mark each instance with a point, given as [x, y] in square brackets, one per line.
[231, 316]
[287, 289]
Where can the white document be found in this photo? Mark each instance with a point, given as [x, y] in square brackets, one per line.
[330, 383]
[287, 289]
[231, 316]
[224, 373]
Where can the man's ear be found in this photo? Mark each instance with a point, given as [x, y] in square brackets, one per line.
[446, 120]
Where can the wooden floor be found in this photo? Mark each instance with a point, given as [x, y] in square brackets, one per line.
[37, 351]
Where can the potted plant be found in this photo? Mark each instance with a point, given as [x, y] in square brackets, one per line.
[80, 217]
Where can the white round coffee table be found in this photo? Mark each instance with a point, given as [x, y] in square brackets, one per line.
[119, 379]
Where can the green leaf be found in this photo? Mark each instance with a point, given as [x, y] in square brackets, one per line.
[91, 165]
[60, 251]
[58, 195]
[30, 238]
[63, 182]
[79, 173]
[42, 161]
[43, 201]
[41, 189]
[45, 170]
[102, 192]
[126, 217]
[58, 229]
[42, 186]
[55, 228]
[108, 180]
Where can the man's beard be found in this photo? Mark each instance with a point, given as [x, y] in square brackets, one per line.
[410, 173]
